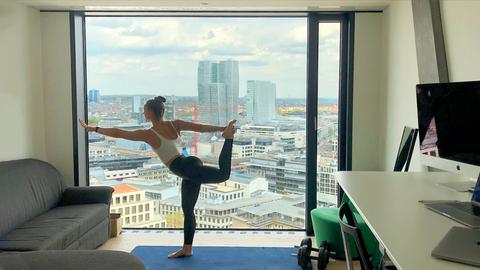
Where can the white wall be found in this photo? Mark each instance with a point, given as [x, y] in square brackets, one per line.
[398, 79]
[461, 22]
[57, 92]
[385, 75]
[366, 90]
[21, 95]
[35, 89]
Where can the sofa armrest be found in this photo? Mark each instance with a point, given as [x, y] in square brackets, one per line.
[86, 195]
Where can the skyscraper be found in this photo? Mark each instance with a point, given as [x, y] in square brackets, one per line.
[218, 87]
[94, 95]
[169, 109]
[261, 105]
[228, 75]
[138, 102]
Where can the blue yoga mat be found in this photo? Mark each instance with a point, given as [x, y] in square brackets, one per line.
[219, 258]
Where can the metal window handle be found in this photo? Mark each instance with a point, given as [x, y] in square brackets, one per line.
[316, 123]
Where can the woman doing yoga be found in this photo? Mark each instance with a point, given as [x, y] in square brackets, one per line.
[162, 137]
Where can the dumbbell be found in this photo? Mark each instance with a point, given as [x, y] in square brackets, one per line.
[307, 242]
[305, 250]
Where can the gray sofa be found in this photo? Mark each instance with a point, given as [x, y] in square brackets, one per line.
[40, 218]
[38, 212]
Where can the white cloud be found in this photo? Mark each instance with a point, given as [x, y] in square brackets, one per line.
[127, 55]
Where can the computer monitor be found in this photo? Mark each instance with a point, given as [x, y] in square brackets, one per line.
[476, 193]
[449, 126]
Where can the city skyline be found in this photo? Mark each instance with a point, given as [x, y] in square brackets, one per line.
[159, 56]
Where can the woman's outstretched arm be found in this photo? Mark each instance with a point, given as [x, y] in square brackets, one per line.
[184, 125]
[136, 135]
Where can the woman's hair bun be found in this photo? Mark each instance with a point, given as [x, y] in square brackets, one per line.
[160, 98]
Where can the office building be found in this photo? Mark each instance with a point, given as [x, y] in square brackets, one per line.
[117, 162]
[169, 109]
[137, 211]
[327, 187]
[285, 175]
[218, 202]
[261, 101]
[94, 95]
[285, 213]
[218, 86]
[242, 148]
[138, 101]
[256, 131]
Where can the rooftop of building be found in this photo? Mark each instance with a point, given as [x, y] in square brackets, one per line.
[154, 187]
[98, 145]
[257, 127]
[206, 204]
[153, 168]
[139, 146]
[284, 206]
[243, 178]
[124, 188]
[118, 158]
[130, 126]
[223, 188]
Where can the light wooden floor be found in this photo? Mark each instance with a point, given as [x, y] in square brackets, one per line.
[129, 239]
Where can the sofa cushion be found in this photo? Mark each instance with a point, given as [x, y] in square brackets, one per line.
[29, 188]
[55, 229]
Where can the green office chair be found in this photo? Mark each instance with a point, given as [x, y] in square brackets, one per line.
[326, 228]
[352, 233]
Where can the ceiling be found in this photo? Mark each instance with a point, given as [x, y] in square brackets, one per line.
[193, 5]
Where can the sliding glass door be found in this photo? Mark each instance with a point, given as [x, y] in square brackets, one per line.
[329, 95]
[284, 78]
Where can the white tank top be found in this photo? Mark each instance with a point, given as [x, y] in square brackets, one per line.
[168, 148]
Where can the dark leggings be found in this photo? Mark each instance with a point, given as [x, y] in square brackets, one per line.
[193, 174]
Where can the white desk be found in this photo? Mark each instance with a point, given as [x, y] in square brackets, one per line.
[389, 204]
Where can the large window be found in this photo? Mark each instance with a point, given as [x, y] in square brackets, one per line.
[253, 69]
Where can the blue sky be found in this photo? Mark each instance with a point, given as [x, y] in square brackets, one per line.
[159, 55]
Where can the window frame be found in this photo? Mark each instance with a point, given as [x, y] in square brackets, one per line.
[345, 102]
[345, 98]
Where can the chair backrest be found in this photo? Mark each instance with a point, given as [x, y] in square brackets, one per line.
[350, 230]
[405, 150]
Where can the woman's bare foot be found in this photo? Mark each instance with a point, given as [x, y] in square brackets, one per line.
[181, 253]
[229, 130]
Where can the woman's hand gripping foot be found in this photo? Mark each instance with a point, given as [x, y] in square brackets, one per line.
[229, 130]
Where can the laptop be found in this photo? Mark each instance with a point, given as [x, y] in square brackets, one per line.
[467, 213]
[459, 245]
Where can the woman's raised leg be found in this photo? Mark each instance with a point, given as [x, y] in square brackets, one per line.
[203, 174]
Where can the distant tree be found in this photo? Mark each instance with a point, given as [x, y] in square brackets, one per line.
[174, 220]
[93, 121]
[330, 132]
